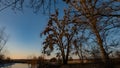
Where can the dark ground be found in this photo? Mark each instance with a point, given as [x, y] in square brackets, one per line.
[88, 65]
[77, 65]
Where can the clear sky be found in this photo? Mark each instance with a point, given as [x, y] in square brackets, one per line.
[24, 31]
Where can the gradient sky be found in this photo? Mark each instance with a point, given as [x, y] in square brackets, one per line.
[24, 31]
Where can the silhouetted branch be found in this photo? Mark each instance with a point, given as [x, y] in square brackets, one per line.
[9, 5]
[3, 39]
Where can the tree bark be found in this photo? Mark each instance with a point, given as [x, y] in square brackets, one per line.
[100, 43]
[64, 59]
[104, 55]
[68, 50]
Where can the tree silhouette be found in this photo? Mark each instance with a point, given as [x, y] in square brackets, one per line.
[3, 39]
[59, 35]
[36, 5]
[100, 16]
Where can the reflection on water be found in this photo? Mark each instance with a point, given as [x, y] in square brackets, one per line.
[19, 66]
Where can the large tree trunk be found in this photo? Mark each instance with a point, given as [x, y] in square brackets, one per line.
[104, 55]
[100, 43]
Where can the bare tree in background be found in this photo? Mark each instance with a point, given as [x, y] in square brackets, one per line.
[50, 5]
[45, 6]
[3, 39]
[79, 44]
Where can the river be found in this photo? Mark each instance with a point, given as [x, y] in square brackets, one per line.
[18, 65]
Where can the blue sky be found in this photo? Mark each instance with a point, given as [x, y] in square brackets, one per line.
[24, 31]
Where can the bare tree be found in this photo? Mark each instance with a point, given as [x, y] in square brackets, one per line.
[46, 6]
[79, 45]
[59, 35]
[100, 16]
[3, 41]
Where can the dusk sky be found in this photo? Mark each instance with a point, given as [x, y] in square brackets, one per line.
[24, 31]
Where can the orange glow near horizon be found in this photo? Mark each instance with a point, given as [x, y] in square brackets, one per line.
[23, 56]
[18, 56]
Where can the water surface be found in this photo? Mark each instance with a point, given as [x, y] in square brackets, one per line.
[18, 65]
